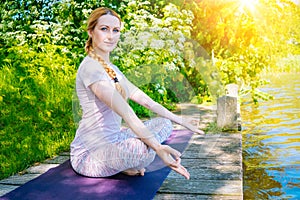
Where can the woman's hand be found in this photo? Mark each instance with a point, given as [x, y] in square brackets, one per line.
[171, 158]
[192, 125]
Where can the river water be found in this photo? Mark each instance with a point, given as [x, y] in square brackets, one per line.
[271, 141]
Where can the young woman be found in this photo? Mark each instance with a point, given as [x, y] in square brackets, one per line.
[101, 148]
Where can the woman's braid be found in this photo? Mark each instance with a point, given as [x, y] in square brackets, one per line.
[112, 74]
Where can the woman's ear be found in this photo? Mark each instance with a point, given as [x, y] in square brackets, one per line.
[90, 32]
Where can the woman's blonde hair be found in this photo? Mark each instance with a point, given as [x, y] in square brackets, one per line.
[92, 22]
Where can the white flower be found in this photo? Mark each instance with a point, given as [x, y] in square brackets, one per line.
[170, 43]
[131, 3]
[160, 89]
[180, 46]
[157, 44]
[139, 46]
[165, 32]
[86, 12]
[181, 39]
[156, 21]
[170, 66]
[143, 38]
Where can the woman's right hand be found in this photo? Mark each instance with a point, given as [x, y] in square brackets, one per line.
[171, 158]
[192, 124]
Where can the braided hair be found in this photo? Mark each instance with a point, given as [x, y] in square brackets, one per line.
[112, 74]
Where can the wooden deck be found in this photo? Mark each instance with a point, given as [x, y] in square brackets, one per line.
[215, 165]
[214, 162]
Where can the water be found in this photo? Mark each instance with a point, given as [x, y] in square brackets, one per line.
[271, 142]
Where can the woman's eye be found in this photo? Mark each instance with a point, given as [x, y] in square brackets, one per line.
[116, 30]
[103, 29]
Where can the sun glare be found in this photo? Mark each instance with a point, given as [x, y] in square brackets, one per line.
[248, 4]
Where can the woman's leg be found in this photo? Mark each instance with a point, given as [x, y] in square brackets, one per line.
[130, 154]
[160, 127]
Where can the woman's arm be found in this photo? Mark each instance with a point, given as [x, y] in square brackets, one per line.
[143, 99]
[112, 98]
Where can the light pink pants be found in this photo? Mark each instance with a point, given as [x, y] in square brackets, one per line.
[128, 152]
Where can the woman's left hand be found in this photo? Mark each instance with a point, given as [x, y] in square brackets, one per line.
[171, 157]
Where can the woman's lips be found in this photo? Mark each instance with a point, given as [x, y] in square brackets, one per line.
[110, 43]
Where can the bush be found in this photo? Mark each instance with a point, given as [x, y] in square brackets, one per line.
[35, 104]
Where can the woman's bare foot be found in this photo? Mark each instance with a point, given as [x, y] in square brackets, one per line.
[134, 172]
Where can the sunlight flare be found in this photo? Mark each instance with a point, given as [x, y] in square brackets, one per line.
[248, 4]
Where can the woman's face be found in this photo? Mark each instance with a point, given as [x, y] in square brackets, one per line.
[106, 34]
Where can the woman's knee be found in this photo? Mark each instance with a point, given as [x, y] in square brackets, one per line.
[168, 123]
[136, 154]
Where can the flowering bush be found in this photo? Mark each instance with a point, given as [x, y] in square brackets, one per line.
[151, 48]
[148, 39]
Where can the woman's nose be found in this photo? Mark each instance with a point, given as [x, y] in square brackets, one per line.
[110, 34]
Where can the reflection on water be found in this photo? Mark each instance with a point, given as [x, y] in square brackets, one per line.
[271, 142]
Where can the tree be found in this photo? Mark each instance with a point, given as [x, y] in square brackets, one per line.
[243, 38]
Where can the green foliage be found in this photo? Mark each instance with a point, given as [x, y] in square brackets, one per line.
[243, 39]
[36, 84]
[36, 119]
[165, 96]
[290, 64]
[152, 46]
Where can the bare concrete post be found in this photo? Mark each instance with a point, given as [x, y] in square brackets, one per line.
[228, 110]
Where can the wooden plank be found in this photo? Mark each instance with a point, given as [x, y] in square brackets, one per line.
[217, 173]
[6, 188]
[211, 162]
[218, 156]
[18, 179]
[40, 169]
[203, 187]
[57, 160]
[195, 196]
[65, 153]
[214, 146]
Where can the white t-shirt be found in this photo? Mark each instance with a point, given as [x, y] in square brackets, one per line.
[99, 125]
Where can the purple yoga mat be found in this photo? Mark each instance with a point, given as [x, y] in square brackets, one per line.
[62, 183]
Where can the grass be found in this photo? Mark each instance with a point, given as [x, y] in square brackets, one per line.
[212, 128]
[36, 119]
